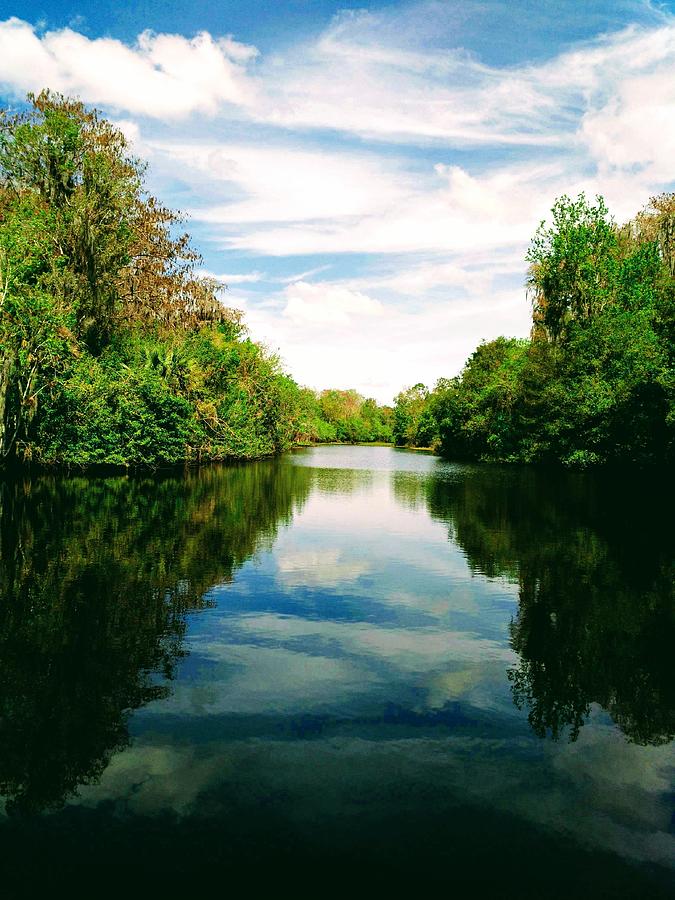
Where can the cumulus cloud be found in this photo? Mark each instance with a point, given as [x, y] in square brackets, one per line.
[636, 128]
[161, 75]
[359, 76]
[348, 349]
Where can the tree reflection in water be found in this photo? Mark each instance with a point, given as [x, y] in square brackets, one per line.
[97, 576]
[594, 560]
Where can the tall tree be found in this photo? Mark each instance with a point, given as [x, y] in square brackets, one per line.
[571, 264]
[84, 249]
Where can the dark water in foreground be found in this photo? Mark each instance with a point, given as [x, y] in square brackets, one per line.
[352, 667]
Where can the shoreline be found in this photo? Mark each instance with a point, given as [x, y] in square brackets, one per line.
[16, 468]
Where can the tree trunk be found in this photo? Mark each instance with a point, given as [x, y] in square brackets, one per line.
[7, 423]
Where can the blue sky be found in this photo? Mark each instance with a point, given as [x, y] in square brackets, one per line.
[366, 179]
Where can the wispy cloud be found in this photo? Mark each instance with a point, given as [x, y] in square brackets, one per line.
[234, 278]
[356, 77]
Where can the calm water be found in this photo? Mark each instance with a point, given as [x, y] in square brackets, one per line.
[352, 665]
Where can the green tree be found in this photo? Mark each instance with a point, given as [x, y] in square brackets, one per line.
[112, 349]
[353, 418]
[596, 382]
[414, 424]
[599, 377]
[476, 410]
[572, 264]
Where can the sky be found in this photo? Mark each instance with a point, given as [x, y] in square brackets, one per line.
[366, 179]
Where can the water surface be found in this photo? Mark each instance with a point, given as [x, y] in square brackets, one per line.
[353, 664]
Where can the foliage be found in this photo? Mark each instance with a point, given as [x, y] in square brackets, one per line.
[414, 423]
[112, 350]
[476, 410]
[572, 264]
[354, 418]
[596, 381]
[342, 417]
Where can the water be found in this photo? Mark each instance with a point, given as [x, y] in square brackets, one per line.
[355, 667]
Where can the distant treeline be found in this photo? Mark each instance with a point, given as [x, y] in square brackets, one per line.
[112, 349]
[595, 382]
[344, 417]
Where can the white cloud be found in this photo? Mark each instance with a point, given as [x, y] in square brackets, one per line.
[319, 568]
[278, 182]
[378, 354]
[351, 79]
[359, 76]
[301, 276]
[327, 304]
[161, 75]
[446, 210]
[472, 275]
[636, 128]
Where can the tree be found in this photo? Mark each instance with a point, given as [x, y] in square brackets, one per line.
[572, 264]
[414, 424]
[352, 418]
[596, 382]
[85, 252]
[112, 244]
[476, 410]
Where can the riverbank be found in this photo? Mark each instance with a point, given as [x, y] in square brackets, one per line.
[17, 467]
[114, 350]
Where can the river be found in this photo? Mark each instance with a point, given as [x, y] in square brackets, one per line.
[352, 666]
